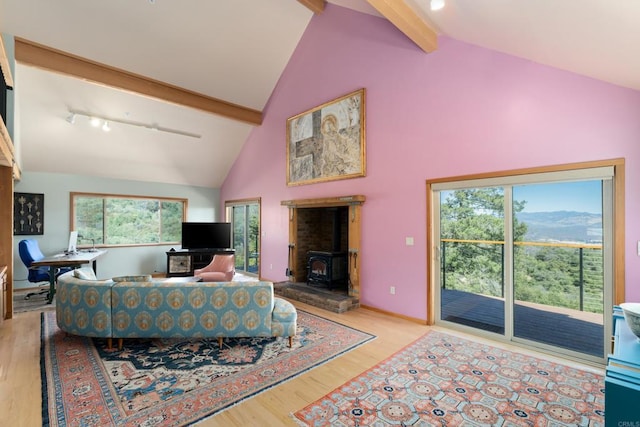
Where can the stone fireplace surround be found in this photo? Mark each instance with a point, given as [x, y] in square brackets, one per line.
[327, 224]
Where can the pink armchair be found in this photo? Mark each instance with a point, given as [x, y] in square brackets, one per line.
[221, 269]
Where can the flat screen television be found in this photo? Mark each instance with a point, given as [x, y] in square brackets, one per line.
[206, 235]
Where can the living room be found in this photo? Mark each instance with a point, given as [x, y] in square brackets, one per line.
[460, 110]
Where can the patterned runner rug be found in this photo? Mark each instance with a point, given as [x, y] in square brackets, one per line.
[441, 379]
[173, 382]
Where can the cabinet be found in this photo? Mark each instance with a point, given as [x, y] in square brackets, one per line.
[183, 263]
[3, 293]
[622, 379]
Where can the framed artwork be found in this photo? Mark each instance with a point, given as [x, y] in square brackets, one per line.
[327, 143]
[28, 214]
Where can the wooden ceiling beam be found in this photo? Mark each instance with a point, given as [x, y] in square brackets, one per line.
[316, 6]
[4, 65]
[34, 54]
[407, 20]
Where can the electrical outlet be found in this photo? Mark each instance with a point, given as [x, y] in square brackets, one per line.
[270, 266]
[392, 290]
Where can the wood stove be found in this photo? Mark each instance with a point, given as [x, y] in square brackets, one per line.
[328, 268]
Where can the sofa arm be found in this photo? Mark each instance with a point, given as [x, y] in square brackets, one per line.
[284, 318]
[83, 307]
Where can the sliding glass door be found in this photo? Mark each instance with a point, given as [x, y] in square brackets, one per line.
[528, 258]
[472, 254]
[245, 220]
[559, 265]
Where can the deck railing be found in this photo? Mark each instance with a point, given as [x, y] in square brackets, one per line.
[594, 262]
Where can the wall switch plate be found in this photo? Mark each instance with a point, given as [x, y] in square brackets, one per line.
[392, 290]
[409, 241]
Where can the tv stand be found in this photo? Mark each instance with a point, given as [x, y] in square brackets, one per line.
[183, 263]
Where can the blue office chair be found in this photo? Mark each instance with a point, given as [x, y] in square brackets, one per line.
[30, 252]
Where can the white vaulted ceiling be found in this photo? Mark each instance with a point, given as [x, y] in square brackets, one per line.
[236, 50]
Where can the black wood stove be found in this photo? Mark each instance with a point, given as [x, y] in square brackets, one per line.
[327, 268]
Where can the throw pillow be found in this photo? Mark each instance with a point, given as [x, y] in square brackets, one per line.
[84, 273]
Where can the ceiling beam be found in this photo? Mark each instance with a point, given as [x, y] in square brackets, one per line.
[407, 20]
[37, 55]
[4, 65]
[316, 6]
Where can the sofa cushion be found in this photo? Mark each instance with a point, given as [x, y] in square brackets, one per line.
[85, 273]
[137, 278]
[215, 276]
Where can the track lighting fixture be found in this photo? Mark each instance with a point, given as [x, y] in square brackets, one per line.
[106, 123]
[437, 4]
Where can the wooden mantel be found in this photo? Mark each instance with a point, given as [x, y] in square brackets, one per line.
[324, 202]
[354, 203]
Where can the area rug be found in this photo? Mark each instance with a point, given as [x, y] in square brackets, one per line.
[444, 380]
[164, 382]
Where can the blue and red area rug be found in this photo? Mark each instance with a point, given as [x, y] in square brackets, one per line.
[444, 380]
[173, 382]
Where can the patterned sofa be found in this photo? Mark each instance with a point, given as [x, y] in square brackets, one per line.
[142, 307]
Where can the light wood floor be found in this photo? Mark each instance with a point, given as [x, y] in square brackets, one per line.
[20, 391]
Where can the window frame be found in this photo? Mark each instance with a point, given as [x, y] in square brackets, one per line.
[104, 196]
[245, 203]
[617, 233]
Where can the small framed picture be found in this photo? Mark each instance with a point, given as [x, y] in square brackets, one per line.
[28, 214]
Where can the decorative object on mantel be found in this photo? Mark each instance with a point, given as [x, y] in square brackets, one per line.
[327, 143]
[28, 214]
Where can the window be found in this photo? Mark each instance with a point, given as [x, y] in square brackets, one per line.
[244, 215]
[118, 220]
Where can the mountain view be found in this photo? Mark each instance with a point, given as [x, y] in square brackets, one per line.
[562, 226]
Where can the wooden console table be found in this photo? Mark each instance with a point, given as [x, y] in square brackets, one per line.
[66, 260]
[183, 263]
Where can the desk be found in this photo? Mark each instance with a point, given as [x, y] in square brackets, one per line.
[64, 260]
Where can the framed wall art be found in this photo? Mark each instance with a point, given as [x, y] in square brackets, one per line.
[28, 214]
[327, 142]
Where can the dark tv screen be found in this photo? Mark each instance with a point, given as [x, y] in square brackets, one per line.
[206, 235]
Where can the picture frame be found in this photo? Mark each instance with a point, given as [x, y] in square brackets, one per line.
[28, 214]
[327, 142]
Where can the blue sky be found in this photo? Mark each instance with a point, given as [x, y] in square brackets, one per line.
[582, 196]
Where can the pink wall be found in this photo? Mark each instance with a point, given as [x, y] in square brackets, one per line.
[460, 110]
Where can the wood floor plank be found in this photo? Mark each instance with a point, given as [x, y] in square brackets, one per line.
[20, 395]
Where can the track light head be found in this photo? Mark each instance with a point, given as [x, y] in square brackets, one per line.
[97, 121]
